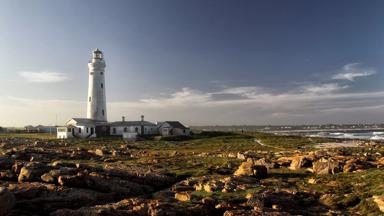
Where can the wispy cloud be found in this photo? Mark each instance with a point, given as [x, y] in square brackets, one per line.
[43, 76]
[323, 88]
[352, 71]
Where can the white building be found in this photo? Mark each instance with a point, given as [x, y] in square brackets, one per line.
[97, 105]
[83, 128]
[142, 128]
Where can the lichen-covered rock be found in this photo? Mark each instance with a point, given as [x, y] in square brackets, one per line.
[326, 166]
[182, 196]
[379, 200]
[299, 162]
[248, 168]
[32, 171]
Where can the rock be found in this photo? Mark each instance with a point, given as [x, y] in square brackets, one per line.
[208, 201]
[299, 162]
[380, 162]
[379, 200]
[72, 181]
[284, 161]
[312, 181]
[7, 175]
[5, 163]
[326, 166]
[183, 196]
[99, 152]
[7, 201]
[47, 178]
[63, 164]
[241, 156]
[329, 200]
[263, 162]
[250, 169]
[32, 171]
[16, 167]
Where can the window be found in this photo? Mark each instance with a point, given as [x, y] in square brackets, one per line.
[101, 73]
[114, 130]
[136, 129]
[125, 129]
[184, 131]
[87, 130]
[102, 86]
[102, 111]
[79, 130]
[69, 129]
[90, 99]
[92, 130]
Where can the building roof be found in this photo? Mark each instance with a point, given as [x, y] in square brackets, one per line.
[86, 121]
[132, 123]
[97, 51]
[174, 124]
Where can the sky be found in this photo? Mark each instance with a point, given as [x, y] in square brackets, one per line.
[215, 62]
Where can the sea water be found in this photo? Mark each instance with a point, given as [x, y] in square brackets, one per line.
[367, 135]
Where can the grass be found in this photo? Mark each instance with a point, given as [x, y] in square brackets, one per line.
[44, 136]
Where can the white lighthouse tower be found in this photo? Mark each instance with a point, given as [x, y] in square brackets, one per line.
[97, 107]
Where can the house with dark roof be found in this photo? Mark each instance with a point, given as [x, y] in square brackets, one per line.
[142, 128]
[173, 128]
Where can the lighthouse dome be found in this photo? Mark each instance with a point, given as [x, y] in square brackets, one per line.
[97, 51]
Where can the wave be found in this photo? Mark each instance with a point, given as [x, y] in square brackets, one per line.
[377, 138]
[336, 134]
[378, 132]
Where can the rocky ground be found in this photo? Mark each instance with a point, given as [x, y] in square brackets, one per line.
[208, 174]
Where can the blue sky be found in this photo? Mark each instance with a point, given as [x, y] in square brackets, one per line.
[201, 62]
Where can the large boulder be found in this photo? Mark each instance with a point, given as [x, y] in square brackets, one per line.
[326, 166]
[248, 168]
[32, 171]
[299, 162]
[7, 201]
[379, 200]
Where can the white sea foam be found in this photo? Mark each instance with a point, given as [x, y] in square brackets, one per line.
[377, 138]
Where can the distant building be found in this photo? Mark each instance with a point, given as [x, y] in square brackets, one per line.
[96, 124]
[40, 129]
[173, 128]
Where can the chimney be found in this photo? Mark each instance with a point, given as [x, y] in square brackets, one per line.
[123, 118]
[142, 118]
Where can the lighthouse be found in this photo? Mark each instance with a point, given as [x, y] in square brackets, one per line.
[96, 103]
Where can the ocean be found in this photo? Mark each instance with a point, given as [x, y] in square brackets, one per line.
[363, 134]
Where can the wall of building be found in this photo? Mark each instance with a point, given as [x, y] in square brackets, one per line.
[119, 130]
[167, 130]
[64, 133]
[83, 132]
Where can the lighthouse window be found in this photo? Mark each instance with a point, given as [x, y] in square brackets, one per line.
[90, 99]
[102, 86]
[101, 73]
[102, 111]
